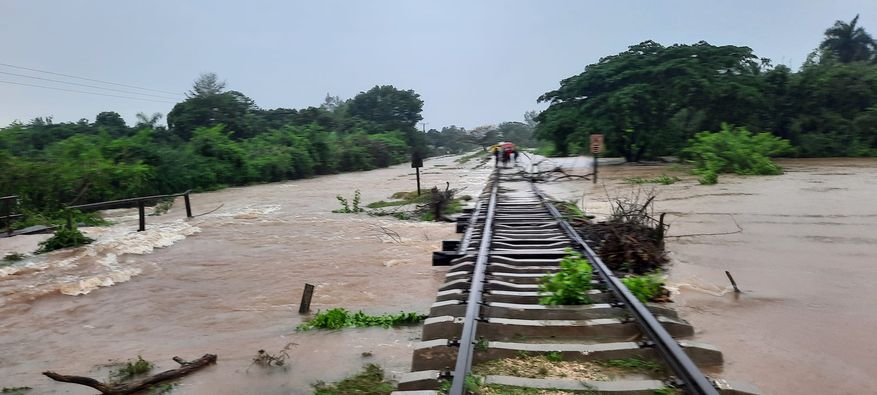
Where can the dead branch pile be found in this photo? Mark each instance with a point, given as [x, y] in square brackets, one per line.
[632, 239]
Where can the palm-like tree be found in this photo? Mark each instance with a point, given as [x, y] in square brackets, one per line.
[848, 42]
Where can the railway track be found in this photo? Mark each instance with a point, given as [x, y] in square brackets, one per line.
[487, 313]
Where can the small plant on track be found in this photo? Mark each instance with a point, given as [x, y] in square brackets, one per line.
[571, 284]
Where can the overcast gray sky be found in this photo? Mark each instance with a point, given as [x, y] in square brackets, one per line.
[472, 62]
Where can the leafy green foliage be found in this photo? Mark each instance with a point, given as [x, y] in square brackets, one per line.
[570, 285]
[131, 369]
[734, 150]
[339, 318]
[645, 287]
[370, 381]
[64, 237]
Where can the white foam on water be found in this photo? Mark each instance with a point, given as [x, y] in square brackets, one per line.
[84, 269]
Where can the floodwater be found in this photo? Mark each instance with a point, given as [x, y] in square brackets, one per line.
[228, 282]
[802, 247]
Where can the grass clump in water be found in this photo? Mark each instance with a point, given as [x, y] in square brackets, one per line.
[15, 390]
[339, 318]
[646, 288]
[64, 237]
[131, 369]
[370, 381]
[663, 179]
[571, 284]
[11, 258]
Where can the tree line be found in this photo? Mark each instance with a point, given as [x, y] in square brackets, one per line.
[217, 138]
[650, 100]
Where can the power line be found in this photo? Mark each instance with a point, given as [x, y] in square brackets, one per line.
[88, 86]
[87, 79]
[90, 93]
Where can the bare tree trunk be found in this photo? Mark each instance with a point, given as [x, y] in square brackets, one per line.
[139, 384]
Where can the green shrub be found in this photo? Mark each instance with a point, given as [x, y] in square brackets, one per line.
[734, 150]
[571, 284]
[645, 287]
[64, 237]
[339, 318]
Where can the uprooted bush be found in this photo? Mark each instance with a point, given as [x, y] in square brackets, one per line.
[734, 150]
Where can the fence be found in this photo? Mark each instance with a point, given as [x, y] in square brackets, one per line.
[139, 201]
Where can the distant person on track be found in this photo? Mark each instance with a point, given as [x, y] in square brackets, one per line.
[494, 149]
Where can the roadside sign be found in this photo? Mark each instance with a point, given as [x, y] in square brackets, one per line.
[416, 160]
[596, 143]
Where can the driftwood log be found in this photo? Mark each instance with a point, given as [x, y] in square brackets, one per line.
[139, 384]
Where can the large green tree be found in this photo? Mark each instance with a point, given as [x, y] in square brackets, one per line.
[650, 99]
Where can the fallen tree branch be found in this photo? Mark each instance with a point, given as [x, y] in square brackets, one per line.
[139, 384]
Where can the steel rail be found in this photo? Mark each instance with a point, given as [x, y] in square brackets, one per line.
[473, 303]
[695, 382]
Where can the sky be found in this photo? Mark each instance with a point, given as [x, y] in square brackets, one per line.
[473, 62]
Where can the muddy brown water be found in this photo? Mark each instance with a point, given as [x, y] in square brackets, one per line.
[803, 248]
[229, 282]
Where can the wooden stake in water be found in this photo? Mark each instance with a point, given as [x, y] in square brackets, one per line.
[305, 305]
[733, 283]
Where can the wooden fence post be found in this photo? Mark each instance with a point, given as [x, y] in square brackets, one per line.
[305, 305]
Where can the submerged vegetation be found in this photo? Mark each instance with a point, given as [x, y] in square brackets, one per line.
[131, 369]
[339, 318]
[64, 237]
[570, 285]
[12, 257]
[663, 179]
[345, 206]
[370, 381]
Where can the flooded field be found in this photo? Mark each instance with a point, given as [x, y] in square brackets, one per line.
[228, 282]
[802, 247]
